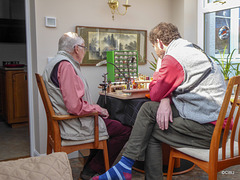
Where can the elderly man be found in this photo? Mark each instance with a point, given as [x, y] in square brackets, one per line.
[69, 94]
[194, 84]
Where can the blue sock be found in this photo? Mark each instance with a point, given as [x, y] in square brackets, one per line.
[122, 170]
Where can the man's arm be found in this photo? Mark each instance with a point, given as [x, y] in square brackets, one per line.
[72, 89]
[167, 79]
[164, 114]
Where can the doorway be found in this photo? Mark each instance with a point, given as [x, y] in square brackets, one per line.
[15, 142]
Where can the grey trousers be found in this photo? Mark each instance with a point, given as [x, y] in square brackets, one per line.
[146, 137]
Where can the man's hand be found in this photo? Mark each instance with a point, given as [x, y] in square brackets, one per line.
[104, 113]
[164, 114]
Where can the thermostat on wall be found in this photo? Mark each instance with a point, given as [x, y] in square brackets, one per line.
[50, 21]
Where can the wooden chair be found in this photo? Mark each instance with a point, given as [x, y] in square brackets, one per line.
[54, 141]
[216, 159]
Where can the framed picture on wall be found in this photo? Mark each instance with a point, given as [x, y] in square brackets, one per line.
[99, 40]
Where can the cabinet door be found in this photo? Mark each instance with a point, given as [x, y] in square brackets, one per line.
[20, 97]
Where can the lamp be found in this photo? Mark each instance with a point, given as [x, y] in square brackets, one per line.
[127, 78]
[105, 62]
[220, 1]
[113, 4]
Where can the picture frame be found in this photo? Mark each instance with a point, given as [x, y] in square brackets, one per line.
[99, 40]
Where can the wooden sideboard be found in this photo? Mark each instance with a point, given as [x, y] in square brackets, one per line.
[14, 96]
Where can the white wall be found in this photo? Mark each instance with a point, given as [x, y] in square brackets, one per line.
[190, 20]
[142, 15]
[177, 17]
[184, 16]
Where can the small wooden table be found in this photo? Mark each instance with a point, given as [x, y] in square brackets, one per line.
[128, 94]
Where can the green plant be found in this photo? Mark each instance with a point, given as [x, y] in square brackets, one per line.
[153, 63]
[237, 71]
[225, 65]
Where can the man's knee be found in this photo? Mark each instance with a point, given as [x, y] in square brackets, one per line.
[148, 109]
[150, 106]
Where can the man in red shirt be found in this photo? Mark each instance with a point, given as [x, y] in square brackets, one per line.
[187, 92]
[69, 94]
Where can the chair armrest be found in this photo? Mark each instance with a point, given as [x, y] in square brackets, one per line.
[96, 127]
[66, 117]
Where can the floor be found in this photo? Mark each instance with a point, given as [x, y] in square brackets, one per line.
[232, 173]
[14, 142]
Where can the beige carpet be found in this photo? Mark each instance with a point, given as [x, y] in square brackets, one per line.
[232, 173]
[14, 142]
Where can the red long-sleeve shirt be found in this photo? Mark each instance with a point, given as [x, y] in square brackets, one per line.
[72, 89]
[167, 79]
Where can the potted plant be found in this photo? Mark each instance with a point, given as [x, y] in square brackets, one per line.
[236, 69]
[153, 63]
[226, 65]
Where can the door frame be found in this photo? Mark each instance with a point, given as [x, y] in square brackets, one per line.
[30, 77]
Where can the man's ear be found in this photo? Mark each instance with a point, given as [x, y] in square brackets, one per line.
[76, 49]
[160, 43]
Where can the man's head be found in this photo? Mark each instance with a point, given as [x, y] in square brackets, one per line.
[73, 44]
[162, 35]
[165, 32]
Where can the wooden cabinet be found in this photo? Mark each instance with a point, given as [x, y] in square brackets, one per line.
[2, 92]
[14, 96]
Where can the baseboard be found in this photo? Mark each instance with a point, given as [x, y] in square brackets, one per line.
[36, 153]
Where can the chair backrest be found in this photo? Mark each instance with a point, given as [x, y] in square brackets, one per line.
[234, 102]
[53, 127]
[45, 98]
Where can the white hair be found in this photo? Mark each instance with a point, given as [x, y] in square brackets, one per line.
[68, 41]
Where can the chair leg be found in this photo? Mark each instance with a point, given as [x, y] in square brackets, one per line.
[49, 148]
[212, 175]
[170, 165]
[105, 154]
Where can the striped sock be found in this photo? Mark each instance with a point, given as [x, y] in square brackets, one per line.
[121, 171]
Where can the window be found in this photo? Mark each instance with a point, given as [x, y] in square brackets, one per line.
[219, 26]
[218, 31]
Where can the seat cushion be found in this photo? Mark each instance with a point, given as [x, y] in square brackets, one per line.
[73, 142]
[203, 154]
[52, 166]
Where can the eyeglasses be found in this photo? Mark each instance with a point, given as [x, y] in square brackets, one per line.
[82, 46]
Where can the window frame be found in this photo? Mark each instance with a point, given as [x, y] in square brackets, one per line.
[205, 7]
